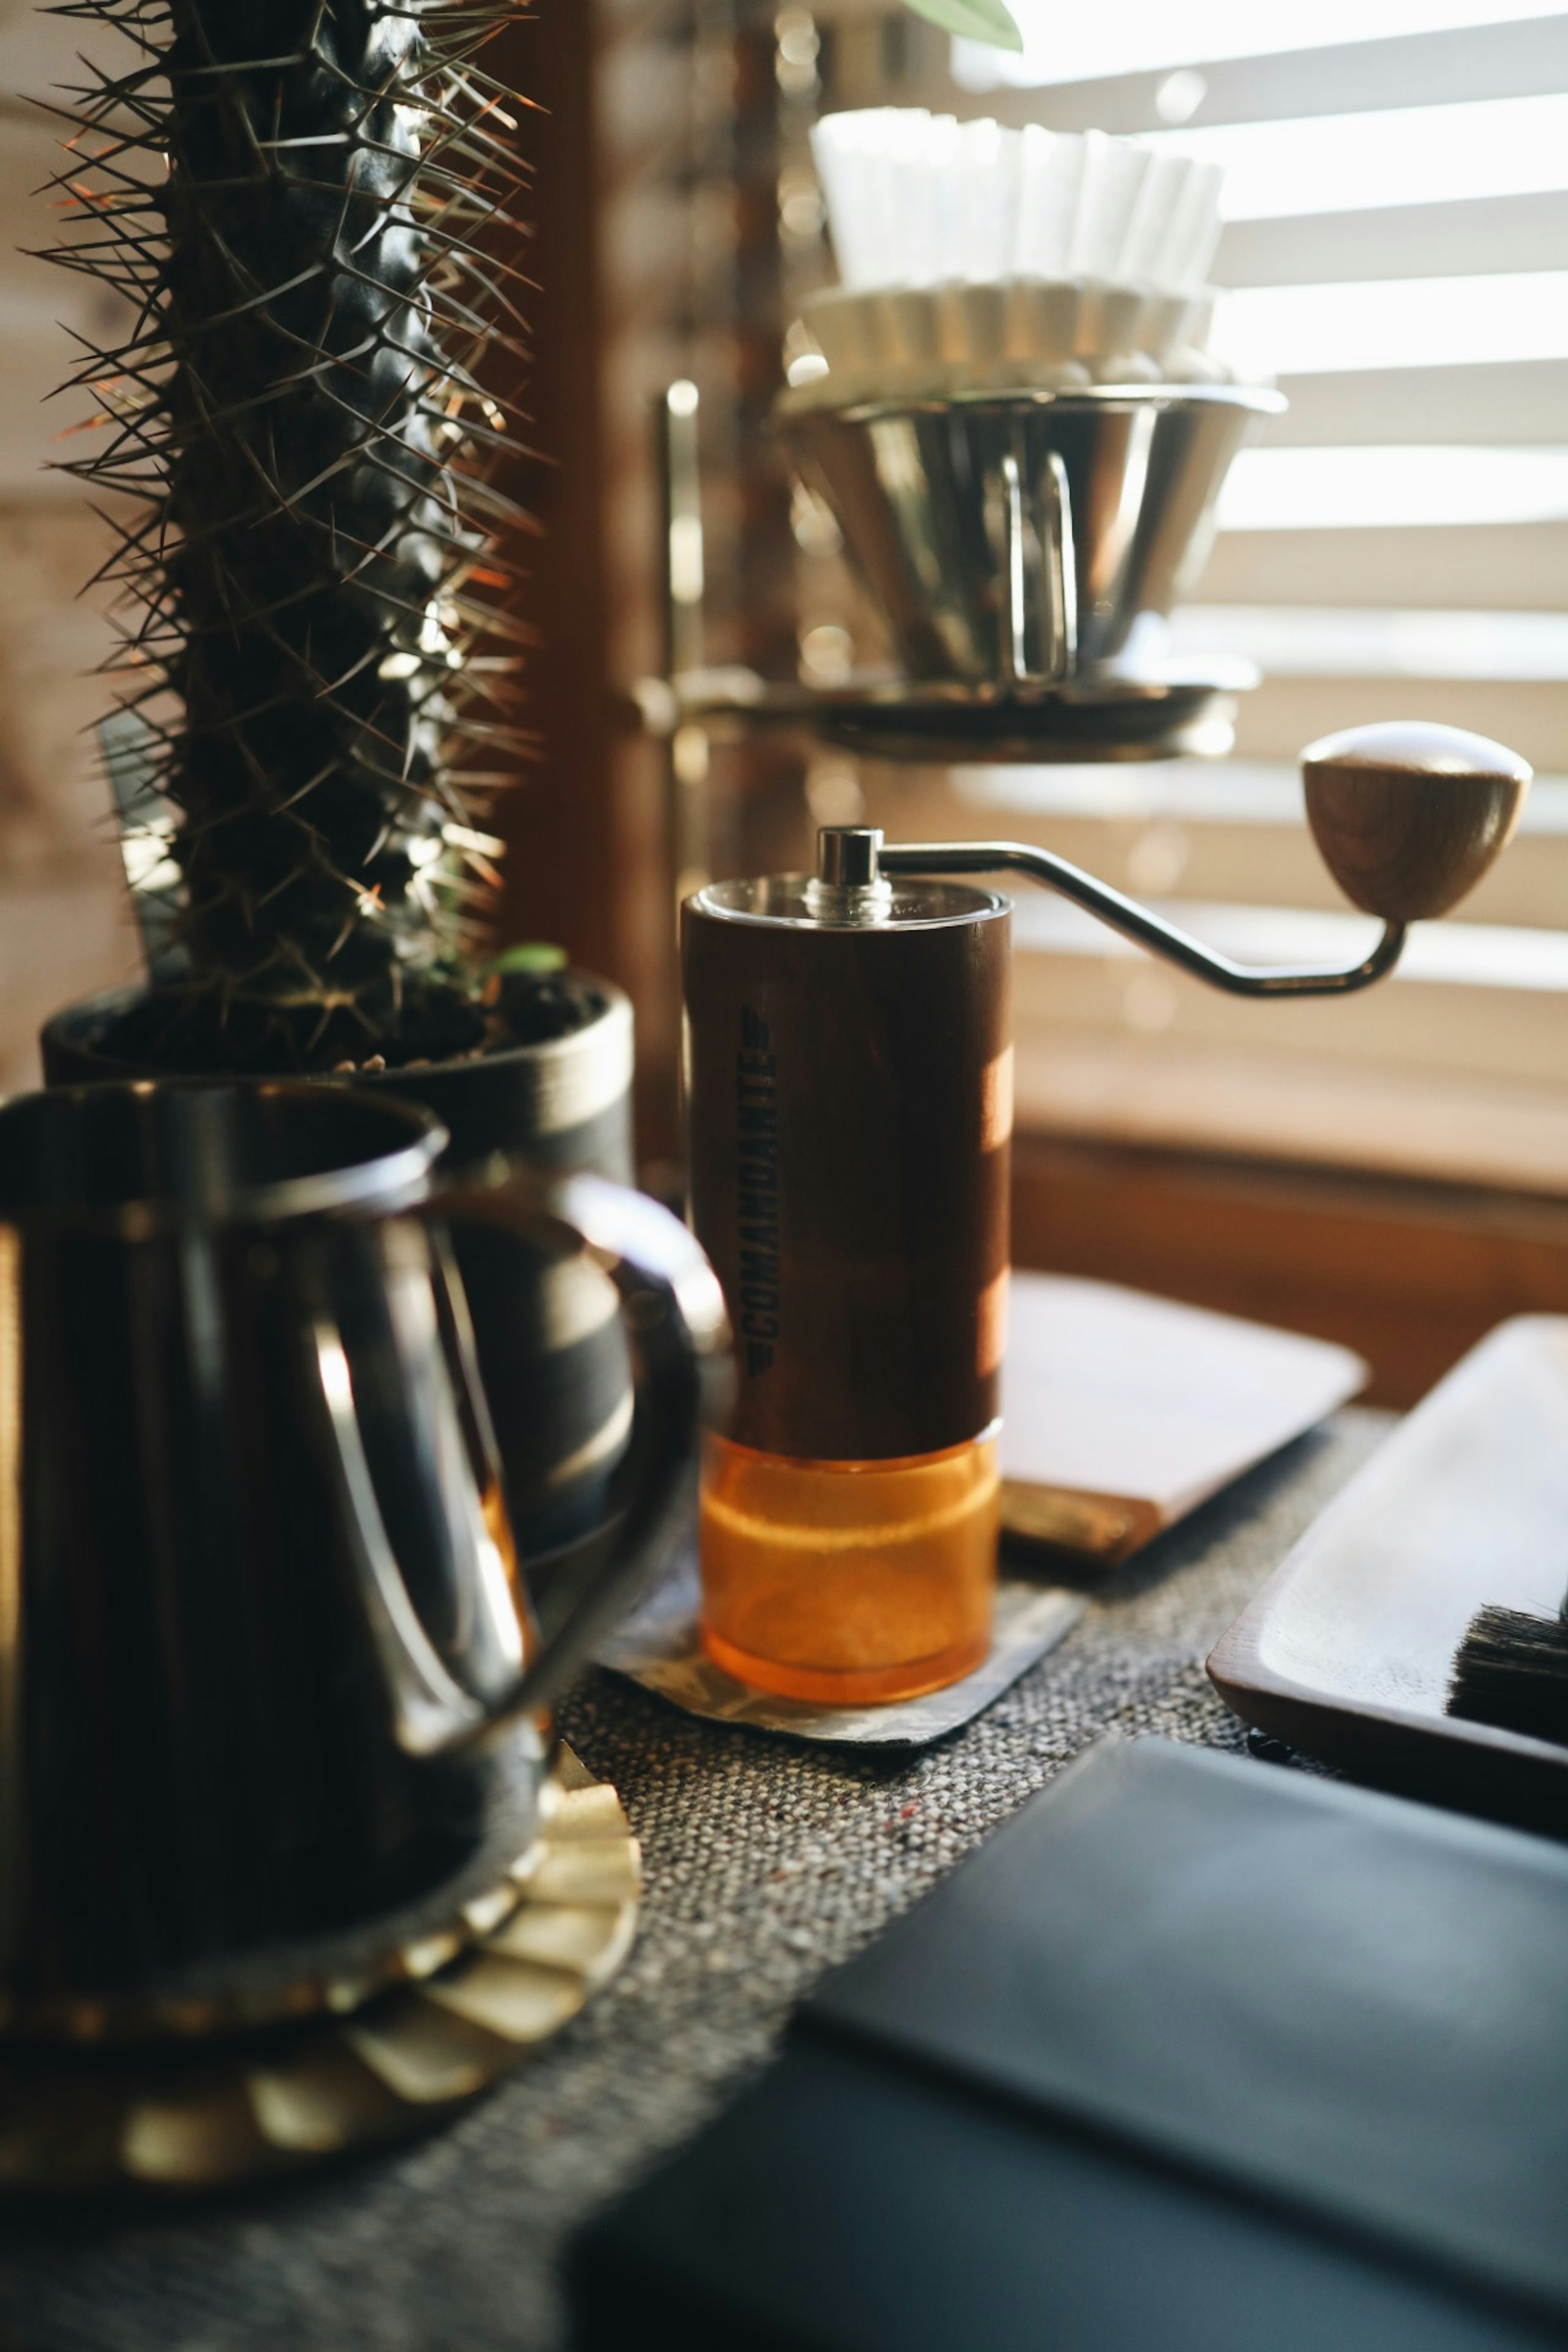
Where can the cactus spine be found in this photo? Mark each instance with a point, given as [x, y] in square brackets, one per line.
[310, 204]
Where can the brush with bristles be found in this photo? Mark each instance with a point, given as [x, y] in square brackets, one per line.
[1511, 1671]
[308, 205]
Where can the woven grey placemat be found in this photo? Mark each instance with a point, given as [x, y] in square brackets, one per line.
[765, 1862]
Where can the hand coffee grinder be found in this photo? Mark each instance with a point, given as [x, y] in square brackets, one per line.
[848, 1081]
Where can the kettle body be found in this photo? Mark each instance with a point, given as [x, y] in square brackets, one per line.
[268, 1673]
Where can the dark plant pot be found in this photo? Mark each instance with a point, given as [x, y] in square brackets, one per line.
[566, 1103]
[553, 1352]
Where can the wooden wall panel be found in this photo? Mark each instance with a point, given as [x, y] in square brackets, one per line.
[1410, 1275]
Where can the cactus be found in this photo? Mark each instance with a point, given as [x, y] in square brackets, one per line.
[308, 203]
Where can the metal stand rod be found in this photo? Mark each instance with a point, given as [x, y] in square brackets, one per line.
[1125, 915]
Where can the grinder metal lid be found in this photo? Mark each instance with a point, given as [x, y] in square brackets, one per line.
[849, 892]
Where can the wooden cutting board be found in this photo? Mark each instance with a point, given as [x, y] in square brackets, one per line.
[1346, 1651]
[1122, 1412]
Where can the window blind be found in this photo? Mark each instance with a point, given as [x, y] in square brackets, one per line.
[1397, 544]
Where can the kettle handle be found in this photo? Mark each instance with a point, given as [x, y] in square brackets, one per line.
[673, 1311]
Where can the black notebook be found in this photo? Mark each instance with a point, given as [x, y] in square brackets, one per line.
[1193, 2052]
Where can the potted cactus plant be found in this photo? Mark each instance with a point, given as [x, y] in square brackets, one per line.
[308, 205]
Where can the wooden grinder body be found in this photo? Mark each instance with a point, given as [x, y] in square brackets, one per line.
[849, 1117]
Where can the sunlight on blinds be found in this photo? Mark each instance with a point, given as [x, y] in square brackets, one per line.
[1393, 545]
[1359, 641]
[1142, 36]
[1243, 793]
[1394, 323]
[1450, 955]
[1380, 489]
[1407, 155]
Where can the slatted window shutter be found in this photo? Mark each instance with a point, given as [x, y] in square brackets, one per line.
[1397, 544]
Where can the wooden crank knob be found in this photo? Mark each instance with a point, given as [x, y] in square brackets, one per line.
[1408, 815]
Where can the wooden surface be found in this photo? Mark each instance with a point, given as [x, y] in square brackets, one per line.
[1122, 1412]
[1407, 1274]
[566, 868]
[1409, 816]
[1347, 1650]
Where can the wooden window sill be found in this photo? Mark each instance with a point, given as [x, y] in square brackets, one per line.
[1410, 1265]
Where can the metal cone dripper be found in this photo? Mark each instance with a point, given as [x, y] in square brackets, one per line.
[1017, 541]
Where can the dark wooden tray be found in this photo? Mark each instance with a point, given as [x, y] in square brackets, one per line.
[1346, 1651]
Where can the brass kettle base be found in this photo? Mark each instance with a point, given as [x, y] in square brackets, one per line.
[181, 2116]
[336, 1969]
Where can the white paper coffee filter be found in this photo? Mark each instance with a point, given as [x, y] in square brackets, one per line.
[1050, 167]
[1187, 251]
[916, 199]
[968, 250]
[1164, 183]
[984, 207]
[1114, 173]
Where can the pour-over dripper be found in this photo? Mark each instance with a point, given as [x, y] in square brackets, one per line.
[1014, 541]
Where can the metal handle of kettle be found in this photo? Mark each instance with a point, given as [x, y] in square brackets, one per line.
[674, 1314]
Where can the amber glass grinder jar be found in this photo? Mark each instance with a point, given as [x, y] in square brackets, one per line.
[849, 1086]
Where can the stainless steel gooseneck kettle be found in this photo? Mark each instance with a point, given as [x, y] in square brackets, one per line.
[270, 1683]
